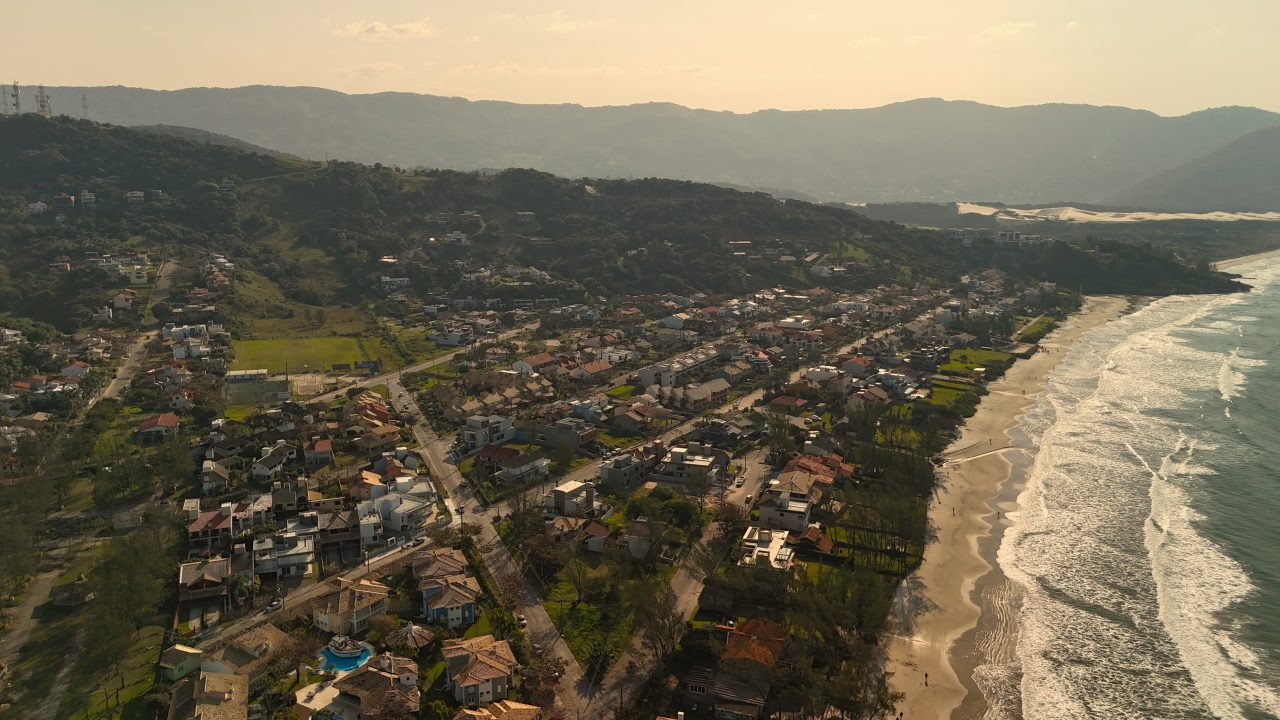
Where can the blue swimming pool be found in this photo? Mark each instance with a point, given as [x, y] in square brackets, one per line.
[329, 661]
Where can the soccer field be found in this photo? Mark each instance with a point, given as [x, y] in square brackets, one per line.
[317, 354]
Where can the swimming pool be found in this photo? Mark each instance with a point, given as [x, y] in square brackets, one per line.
[330, 661]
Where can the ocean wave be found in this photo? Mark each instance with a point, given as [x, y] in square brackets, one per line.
[1122, 592]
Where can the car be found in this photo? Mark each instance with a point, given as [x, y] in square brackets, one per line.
[417, 541]
[748, 500]
[536, 648]
[275, 605]
[520, 619]
[741, 479]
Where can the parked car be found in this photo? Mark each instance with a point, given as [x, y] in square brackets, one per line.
[275, 605]
[741, 479]
[520, 619]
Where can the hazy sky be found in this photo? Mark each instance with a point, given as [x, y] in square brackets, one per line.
[1170, 56]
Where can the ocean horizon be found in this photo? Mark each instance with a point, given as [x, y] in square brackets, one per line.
[1145, 553]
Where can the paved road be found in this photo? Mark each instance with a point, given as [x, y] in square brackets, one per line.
[465, 506]
[387, 377]
[136, 354]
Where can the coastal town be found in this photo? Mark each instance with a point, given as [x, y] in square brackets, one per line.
[652, 505]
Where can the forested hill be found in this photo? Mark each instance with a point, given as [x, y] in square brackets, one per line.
[314, 233]
[926, 149]
[1244, 175]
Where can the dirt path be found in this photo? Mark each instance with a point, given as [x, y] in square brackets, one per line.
[23, 615]
[48, 710]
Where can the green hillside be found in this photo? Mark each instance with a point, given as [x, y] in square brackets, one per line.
[311, 235]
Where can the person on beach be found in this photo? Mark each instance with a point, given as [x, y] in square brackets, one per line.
[926, 679]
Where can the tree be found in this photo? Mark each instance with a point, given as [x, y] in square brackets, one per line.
[698, 485]
[661, 622]
[576, 573]
[380, 626]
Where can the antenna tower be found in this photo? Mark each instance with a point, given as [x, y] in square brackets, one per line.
[17, 99]
[84, 106]
[4, 102]
[43, 108]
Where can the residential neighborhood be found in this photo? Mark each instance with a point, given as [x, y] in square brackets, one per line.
[557, 507]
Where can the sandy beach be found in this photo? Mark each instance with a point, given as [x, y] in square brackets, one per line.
[934, 616]
[1231, 263]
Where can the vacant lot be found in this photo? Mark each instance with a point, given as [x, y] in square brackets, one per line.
[964, 360]
[296, 354]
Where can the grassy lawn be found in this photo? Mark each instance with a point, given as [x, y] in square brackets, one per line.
[965, 360]
[585, 624]
[117, 435]
[615, 441]
[1036, 329]
[318, 354]
[480, 627]
[139, 673]
[622, 392]
[239, 412]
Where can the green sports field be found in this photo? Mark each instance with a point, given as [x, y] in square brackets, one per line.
[317, 354]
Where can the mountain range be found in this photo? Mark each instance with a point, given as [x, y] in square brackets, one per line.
[925, 150]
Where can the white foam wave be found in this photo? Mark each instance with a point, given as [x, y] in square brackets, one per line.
[1120, 615]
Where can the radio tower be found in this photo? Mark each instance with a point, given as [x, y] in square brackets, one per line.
[4, 101]
[43, 108]
[84, 106]
[17, 99]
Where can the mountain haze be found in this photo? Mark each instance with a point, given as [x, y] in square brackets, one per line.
[919, 150]
[1243, 176]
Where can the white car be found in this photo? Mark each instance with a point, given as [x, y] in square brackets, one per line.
[741, 479]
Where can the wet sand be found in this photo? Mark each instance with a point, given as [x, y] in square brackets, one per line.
[937, 629]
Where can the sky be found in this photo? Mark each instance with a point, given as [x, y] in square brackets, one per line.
[1168, 56]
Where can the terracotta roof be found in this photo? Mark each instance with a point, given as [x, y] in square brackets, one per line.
[352, 596]
[168, 421]
[539, 360]
[487, 659]
[758, 640]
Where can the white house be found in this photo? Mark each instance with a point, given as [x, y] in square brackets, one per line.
[492, 430]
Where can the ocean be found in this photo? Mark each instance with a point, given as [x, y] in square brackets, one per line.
[1145, 552]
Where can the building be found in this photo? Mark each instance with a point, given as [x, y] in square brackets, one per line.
[572, 498]
[385, 688]
[480, 431]
[210, 696]
[689, 461]
[622, 471]
[765, 548]
[347, 610]
[479, 670]
[788, 502]
[286, 554]
[525, 467]
[570, 432]
[501, 710]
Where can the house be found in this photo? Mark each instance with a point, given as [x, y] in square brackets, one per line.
[737, 686]
[501, 710]
[385, 688]
[692, 460]
[788, 502]
[205, 582]
[788, 405]
[379, 438]
[180, 661]
[250, 654]
[491, 430]
[479, 670]
[595, 537]
[765, 548]
[595, 369]
[701, 396]
[455, 603]
[210, 695]
[273, 460]
[525, 467]
[286, 554]
[38, 207]
[640, 534]
[572, 498]
[77, 369]
[157, 428]
[676, 321]
[570, 432]
[430, 567]
[134, 197]
[538, 363]
[347, 609]
[318, 452]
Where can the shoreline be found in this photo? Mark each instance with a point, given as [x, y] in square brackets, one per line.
[1229, 263]
[934, 621]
